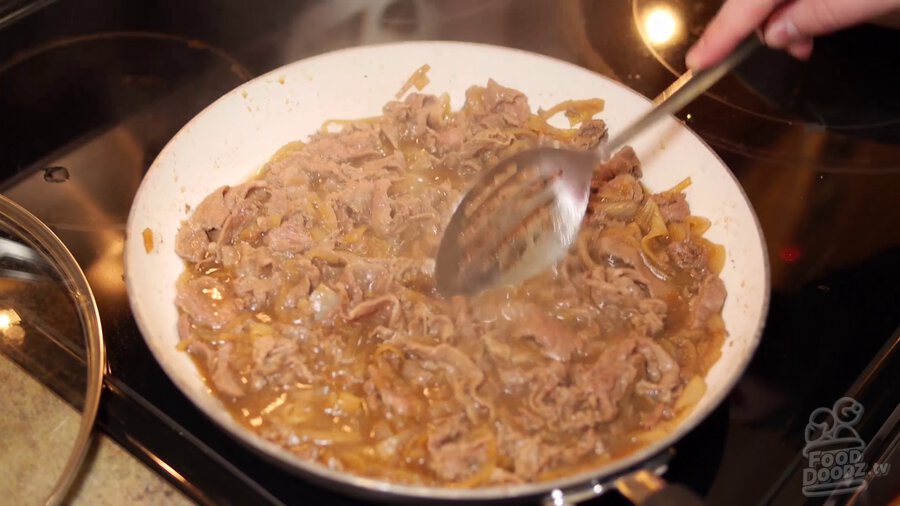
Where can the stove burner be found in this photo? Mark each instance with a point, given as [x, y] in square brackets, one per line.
[773, 108]
[833, 84]
[58, 91]
[90, 115]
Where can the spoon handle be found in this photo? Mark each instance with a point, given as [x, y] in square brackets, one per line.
[684, 90]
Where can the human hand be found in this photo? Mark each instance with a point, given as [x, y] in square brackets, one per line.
[786, 24]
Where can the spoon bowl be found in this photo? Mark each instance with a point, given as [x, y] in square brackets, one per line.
[522, 215]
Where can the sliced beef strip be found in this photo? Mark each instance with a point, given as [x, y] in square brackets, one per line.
[455, 453]
[356, 196]
[462, 373]
[206, 301]
[661, 371]
[369, 307]
[192, 240]
[224, 379]
[510, 104]
[381, 217]
[278, 361]
[708, 302]
[450, 139]
[673, 206]
[630, 253]
[650, 317]
[184, 327]
[290, 236]
[354, 143]
[592, 393]
[530, 455]
[486, 143]
[217, 218]
[393, 392]
[386, 166]
[688, 255]
[299, 170]
[417, 114]
[376, 278]
[500, 476]
[624, 161]
[545, 377]
[523, 450]
[245, 202]
[628, 289]
[257, 279]
[421, 320]
[589, 134]
[597, 390]
[254, 292]
[556, 339]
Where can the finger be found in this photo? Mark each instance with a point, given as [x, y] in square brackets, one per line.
[804, 19]
[801, 50]
[734, 21]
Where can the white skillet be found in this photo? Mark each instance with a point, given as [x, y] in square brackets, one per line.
[232, 138]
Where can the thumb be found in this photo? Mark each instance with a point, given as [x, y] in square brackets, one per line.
[804, 19]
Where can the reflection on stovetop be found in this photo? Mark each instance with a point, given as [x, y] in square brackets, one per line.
[845, 89]
[94, 89]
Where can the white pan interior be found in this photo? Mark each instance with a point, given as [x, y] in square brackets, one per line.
[232, 138]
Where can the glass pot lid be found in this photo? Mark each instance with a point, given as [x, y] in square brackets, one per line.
[52, 360]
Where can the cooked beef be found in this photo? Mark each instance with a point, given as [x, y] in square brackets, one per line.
[708, 302]
[310, 305]
[589, 135]
[619, 249]
[217, 360]
[352, 144]
[624, 161]
[206, 301]
[397, 396]
[687, 255]
[369, 307]
[381, 207]
[661, 378]
[673, 206]
[510, 104]
[556, 339]
[461, 372]
[455, 452]
[290, 236]
[217, 219]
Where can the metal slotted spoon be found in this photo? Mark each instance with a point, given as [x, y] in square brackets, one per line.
[521, 216]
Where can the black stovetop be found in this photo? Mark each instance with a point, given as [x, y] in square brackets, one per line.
[99, 86]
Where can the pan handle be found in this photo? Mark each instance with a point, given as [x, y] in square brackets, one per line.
[645, 488]
[642, 486]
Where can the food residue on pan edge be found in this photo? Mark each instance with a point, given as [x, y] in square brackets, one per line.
[419, 79]
[148, 240]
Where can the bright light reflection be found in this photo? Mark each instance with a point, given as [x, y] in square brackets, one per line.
[8, 318]
[660, 25]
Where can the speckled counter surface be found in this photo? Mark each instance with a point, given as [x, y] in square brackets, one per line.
[37, 431]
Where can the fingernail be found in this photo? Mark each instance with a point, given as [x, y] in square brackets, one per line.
[781, 33]
[691, 59]
[801, 50]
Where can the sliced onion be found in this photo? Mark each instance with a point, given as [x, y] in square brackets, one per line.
[323, 301]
